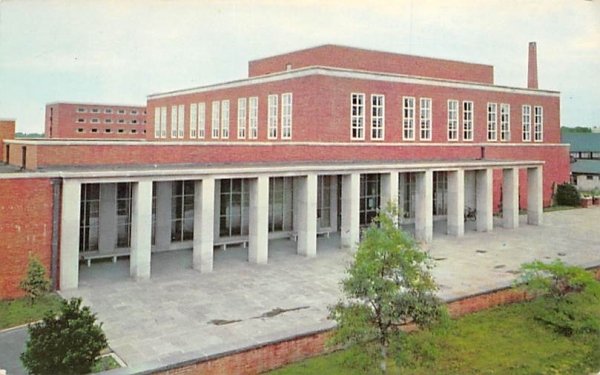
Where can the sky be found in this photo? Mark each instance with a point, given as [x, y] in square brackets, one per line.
[118, 52]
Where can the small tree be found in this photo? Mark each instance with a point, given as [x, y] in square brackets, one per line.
[567, 195]
[35, 283]
[64, 344]
[388, 285]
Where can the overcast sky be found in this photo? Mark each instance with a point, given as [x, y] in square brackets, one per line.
[121, 51]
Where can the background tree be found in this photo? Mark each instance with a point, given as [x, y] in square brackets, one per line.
[388, 285]
[65, 344]
[35, 283]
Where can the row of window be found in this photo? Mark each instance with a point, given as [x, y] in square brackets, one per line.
[109, 121]
[498, 119]
[109, 130]
[279, 122]
[109, 110]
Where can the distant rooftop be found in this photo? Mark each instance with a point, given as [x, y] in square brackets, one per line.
[586, 166]
[582, 142]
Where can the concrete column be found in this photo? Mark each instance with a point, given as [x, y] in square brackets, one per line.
[108, 218]
[307, 214]
[69, 234]
[164, 194]
[456, 203]
[141, 230]
[333, 201]
[389, 189]
[510, 197]
[535, 194]
[217, 210]
[204, 218]
[424, 206]
[258, 249]
[485, 218]
[350, 235]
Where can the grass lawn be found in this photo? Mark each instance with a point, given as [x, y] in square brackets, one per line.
[20, 311]
[504, 340]
[105, 363]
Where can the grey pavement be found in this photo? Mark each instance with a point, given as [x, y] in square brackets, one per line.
[12, 344]
[181, 314]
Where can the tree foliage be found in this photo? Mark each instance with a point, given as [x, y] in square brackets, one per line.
[35, 283]
[567, 195]
[65, 344]
[567, 294]
[387, 285]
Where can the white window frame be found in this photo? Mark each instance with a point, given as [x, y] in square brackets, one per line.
[253, 117]
[492, 122]
[526, 122]
[181, 121]
[201, 119]
[377, 117]
[216, 121]
[193, 120]
[538, 123]
[241, 118]
[272, 116]
[156, 122]
[286, 115]
[453, 120]
[173, 121]
[224, 119]
[357, 116]
[408, 118]
[163, 122]
[468, 124]
[504, 122]
[425, 117]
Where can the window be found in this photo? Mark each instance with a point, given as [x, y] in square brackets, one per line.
[216, 105]
[526, 119]
[95, 121]
[201, 119]
[425, 112]
[121, 131]
[193, 119]
[538, 124]
[174, 121]
[440, 193]
[377, 117]
[121, 111]
[108, 110]
[108, 130]
[225, 119]
[272, 117]
[80, 120]
[407, 192]
[134, 112]
[453, 120]
[468, 121]
[180, 121]
[253, 119]
[234, 210]
[408, 118]
[589, 177]
[81, 110]
[89, 227]
[369, 197]
[241, 118]
[357, 116]
[280, 204]
[505, 122]
[133, 131]
[286, 116]
[94, 130]
[182, 211]
[108, 121]
[324, 201]
[124, 195]
[163, 122]
[121, 121]
[79, 130]
[95, 110]
[156, 122]
[492, 121]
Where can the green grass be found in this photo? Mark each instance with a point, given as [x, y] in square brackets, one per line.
[20, 311]
[104, 364]
[504, 340]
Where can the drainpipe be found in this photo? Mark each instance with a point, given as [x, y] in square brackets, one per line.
[56, 203]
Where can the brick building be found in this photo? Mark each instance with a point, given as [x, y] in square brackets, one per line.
[313, 142]
[95, 121]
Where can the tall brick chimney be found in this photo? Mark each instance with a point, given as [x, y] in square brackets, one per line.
[532, 75]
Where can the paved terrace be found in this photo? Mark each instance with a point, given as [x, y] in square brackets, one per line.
[181, 314]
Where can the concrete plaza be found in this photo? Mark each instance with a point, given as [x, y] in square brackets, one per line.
[180, 314]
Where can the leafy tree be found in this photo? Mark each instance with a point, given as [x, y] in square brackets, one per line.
[567, 195]
[65, 344]
[387, 285]
[576, 129]
[35, 283]
[567, 294]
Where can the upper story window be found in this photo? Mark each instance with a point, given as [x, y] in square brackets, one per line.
[121, 121]
[193, 119]
[108, 110]
[95, 121]
[216, 121]
[201, 119]
[453, 120]
[241, 118]
[505, 122]
[538, 123]
[272, 117]
[286, 116]
[408, 118]
[174, 121]
[467, 120]
[492, 121]
[134, 112]
[81, 110]
[377, 117]
[156, 122]
[357, 116]
[80, 120]
[225, 119]
[180, 121]
[425, 117]
[253, 117]
[121, 111]
[526, 123]
[95, 110]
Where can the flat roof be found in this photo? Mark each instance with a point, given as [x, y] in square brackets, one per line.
[586, 166]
